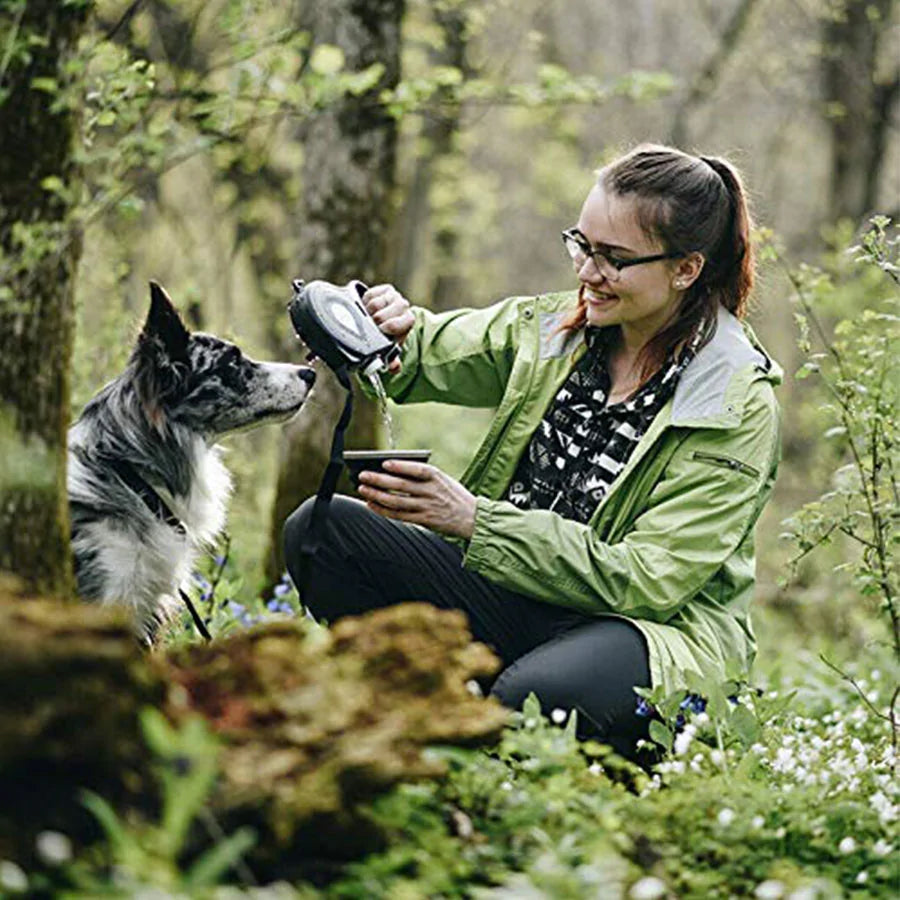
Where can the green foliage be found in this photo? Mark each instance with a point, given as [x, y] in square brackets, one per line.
[858, 369]
[144, 853]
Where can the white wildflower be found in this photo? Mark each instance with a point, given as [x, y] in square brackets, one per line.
[474, 688]
[757, 821]
[595, 768]
[53, 847]
[882, 847]
[12, 877]
[717, 758]
[876, 674]
[758, 749]
[847, 845]
[683, 742]
[648, 888]
[725, 817]
[701, 719]
[807, 892]
[769, 890]
[558, 715]
[862, 877]
[887, 811]
[781, 832]
[506, 786]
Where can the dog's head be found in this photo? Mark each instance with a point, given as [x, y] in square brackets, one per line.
[207, 384]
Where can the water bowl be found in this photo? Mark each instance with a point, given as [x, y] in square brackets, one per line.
[358, 461]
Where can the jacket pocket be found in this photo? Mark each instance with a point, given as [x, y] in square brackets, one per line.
[725, 462]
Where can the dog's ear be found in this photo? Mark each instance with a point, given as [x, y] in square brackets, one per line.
[165, 326]
[162, 356]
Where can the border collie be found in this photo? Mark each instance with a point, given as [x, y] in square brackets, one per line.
[147, 486]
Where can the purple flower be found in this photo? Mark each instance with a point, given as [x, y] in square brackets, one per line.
[199, 579]
[644, 709]
[272, 605]
[219, 560]
[282, 589]
[238, 609]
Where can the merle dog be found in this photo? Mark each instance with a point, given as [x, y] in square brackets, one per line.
[147, 486]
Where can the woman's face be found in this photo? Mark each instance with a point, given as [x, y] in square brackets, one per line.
[641, 298]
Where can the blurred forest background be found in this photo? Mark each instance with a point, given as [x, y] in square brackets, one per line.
[227, 146]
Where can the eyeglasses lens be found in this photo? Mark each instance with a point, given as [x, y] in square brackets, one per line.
[579, 253]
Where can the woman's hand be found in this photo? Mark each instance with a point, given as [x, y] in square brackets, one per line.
[427, 496]
[391, 312]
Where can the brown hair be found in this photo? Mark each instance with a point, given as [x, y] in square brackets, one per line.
[687, 203]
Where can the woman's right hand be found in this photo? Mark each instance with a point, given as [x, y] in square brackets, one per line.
[392, 314]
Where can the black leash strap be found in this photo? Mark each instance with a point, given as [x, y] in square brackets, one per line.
[316, 529]
[198, 621]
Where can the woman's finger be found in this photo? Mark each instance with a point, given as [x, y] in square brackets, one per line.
[394, 502]
[407, 468]
[382, 482]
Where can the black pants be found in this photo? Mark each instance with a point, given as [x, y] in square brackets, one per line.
[569, 660]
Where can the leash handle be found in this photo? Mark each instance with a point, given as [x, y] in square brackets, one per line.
[316, 528]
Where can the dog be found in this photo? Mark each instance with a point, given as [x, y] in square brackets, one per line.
[147, 486]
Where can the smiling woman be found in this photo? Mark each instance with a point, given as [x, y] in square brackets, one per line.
[602, 536]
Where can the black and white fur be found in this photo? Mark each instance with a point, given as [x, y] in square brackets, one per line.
[160, 419]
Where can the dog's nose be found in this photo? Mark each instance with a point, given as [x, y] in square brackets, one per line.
[308, 375]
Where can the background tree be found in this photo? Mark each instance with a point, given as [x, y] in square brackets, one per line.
[344, 218]
[39, 252]
[861, 86]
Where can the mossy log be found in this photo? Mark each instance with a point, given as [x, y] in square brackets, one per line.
[72, 681]
[316, 725]
[313, 722]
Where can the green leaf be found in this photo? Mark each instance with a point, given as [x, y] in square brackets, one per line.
[662, 734]
[326, 59]
[53, 183]
[207, 871]
[47, 85]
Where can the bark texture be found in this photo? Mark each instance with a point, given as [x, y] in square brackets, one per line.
[39, 251]
[343, 223]
[860, 91]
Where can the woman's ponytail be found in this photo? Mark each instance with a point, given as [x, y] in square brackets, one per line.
[731, 267]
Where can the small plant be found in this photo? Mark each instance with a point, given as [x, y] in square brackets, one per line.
[858, 367]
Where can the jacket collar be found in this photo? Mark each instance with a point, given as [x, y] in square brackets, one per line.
[712, 389]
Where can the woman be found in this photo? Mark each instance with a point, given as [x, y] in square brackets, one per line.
[602, 536]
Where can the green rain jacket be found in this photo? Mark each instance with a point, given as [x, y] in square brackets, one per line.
[670, 547]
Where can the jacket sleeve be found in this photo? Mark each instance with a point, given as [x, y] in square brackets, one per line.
[462, 357]
[709, 496]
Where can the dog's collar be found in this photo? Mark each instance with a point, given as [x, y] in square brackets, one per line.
[145, 491]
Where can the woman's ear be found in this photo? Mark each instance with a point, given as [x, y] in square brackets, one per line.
[687, 271]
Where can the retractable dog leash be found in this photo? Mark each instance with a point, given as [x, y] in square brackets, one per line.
[337, 328]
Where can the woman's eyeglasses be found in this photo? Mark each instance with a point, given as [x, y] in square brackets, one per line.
[608, 264]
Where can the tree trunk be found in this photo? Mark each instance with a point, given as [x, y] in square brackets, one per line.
[438, 141]
[39, 252]
[857, 103]
[342, 226]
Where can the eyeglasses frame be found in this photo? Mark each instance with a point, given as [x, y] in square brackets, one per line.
[616, 262]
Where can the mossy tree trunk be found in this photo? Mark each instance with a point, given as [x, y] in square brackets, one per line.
[342, 226]
[861, 83]
[39, 252]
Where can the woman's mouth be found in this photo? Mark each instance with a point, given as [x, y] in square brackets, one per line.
[596, 297]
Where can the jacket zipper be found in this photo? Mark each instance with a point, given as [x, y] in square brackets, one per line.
[725, 462]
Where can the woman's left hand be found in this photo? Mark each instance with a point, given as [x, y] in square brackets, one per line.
[421, 494]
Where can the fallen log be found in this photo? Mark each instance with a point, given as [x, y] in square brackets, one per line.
[313, 722]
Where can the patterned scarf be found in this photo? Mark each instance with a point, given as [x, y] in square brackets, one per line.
[581, 444]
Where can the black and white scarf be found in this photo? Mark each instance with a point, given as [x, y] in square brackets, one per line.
[581, 444]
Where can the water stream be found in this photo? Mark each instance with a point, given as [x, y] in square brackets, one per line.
[375, 380]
